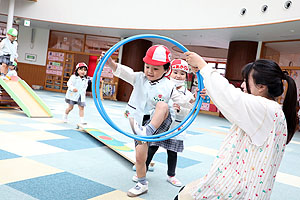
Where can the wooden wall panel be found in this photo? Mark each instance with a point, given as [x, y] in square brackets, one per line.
[32, 74]
[239, 54]
[133, 53]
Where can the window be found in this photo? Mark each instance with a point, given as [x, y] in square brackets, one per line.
[66, 41]
[97, 44]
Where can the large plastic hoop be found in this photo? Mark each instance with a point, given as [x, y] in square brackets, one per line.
[101, 110]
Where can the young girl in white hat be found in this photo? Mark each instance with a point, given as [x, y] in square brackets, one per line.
[150, 104]
[77, 86]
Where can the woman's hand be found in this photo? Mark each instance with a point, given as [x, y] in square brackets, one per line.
[75, 90]
[110, 62]
[195, 60]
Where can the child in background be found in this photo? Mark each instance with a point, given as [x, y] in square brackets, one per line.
[178, 76]
[248, 160]
[77, 86]
[12, 70]
[8, 51]
[150, 104]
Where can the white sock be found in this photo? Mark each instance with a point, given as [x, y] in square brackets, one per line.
[82, 120]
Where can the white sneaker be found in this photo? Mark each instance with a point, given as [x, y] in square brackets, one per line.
[65, 118]
[174, 181]
[136, 128]
[135, 178]
[138, 190]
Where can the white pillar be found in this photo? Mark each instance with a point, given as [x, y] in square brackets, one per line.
[258, 50]
[10, 16]
[120, 52]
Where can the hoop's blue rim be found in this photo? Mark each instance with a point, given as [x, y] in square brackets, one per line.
[101, 110]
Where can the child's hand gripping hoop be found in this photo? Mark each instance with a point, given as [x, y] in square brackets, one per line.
[153, 138]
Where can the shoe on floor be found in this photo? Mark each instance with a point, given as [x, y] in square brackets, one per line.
[135, 178]
[136, 128]
[174, 181]
[65, 118]
[138, 190]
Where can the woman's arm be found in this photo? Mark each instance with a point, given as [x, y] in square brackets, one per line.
[253, 114]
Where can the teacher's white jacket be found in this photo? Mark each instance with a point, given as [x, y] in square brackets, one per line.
[145, 93]
[80, 84]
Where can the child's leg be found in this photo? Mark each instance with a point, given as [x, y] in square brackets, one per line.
[160, 115]
[69, 108]
[141, 157]
[67, 111]
[172, 162]
[81, 114]
[151, 151]
[81, 111]
[142, 186]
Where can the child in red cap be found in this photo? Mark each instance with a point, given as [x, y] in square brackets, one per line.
[178, 76]
[150, 104]
[77, 86]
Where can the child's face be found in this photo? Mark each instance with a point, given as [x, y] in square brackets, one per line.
[178, 74]
[153, 72]
[11, 38]
[82, 71]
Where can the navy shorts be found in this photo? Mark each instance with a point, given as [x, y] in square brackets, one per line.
[6, 60]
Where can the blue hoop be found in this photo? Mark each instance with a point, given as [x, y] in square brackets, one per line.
[101, 110]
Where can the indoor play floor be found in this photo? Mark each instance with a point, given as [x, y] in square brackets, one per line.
[44, 158]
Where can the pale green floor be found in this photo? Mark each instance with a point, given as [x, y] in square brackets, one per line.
[72, 165]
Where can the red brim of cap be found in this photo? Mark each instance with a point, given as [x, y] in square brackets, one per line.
[149, 61]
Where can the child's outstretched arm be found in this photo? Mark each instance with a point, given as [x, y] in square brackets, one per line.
[121, 71]
[110, 62]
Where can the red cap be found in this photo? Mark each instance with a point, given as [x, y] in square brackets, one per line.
[180, 64]
[157, 55]
[81, 64]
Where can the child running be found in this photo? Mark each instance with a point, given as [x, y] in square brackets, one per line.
[77, 86]
[248, 160]
[150, 104]
[8, 51]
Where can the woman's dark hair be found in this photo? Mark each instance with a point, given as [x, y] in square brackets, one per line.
[268, 73]
[76, 71]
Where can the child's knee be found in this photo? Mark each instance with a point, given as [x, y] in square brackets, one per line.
[162, 105]
[81, 108]
[70, 107]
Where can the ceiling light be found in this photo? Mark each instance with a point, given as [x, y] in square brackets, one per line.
[243, 11]
[264, 8]
[287, 4]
